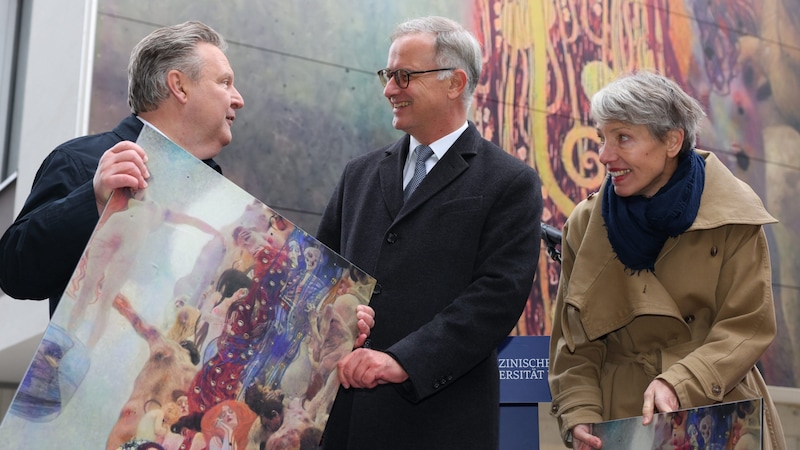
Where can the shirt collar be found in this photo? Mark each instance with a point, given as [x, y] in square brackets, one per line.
[441, 145]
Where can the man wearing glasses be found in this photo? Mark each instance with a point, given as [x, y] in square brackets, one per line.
[454, 254]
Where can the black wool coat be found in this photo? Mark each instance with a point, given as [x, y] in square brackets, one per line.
[454, 267]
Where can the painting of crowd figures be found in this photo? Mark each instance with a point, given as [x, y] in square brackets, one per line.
[198, 318]
[725, 426]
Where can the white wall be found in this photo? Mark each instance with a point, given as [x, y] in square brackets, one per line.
[51, 107]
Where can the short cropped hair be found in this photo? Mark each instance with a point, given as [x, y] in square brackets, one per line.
[650, 99]
[163, 50]
[455, 47]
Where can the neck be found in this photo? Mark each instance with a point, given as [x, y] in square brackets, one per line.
[440, 132]
[172, 126]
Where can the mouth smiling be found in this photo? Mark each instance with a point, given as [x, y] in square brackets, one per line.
[398, 104]
[618, 173]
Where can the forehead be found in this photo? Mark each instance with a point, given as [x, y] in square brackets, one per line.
[619, 127]
[214, 60]
[412, 51]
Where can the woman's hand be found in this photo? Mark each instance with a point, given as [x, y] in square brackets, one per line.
[658, 397]
[583, 439]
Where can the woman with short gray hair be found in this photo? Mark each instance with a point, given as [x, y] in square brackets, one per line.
[665, 299]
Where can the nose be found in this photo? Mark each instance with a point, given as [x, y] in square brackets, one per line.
[237, 101]
[391, 88]
[606, 154]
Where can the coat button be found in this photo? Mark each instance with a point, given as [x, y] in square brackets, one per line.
[716, 390]
[377, 289]
[554, 408]
[689, 319]
[391, 238]
[714, 251]
[436, 385]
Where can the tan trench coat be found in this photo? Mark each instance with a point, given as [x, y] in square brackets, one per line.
[700, 322]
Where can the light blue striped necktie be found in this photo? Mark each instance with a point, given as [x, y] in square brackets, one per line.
[423, 153]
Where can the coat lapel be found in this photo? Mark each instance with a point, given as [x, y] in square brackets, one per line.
[452, 164]
[391, 175]
[442, 174]
[598, 275]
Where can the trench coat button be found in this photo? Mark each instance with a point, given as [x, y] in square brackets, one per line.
[391, 238]
[554, 408]
[436, 385]
[714, 251]
[716, 390]
[377, 289]
[689, 319]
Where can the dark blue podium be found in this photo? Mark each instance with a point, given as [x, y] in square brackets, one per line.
[523, 362]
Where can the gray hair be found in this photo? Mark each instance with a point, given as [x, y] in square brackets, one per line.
[455, 47]
[650, 99]
[163, 50]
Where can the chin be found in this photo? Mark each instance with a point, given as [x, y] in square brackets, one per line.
[622, 192]
[213, 152]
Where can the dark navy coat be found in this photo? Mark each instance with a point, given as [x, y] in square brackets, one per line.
[41, 249]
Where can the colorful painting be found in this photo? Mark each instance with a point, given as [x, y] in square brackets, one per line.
[724, 426]
[197, 317]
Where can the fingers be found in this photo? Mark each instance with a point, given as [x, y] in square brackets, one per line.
[666, 403]
[361, 339]
[345, 370]
[366, 368]
[125, 158]
[583, 439]
[366, 320]
[121, 166]
[658, 397]
[357, 369]
[364, 374]
[648, 407]
[367, 314]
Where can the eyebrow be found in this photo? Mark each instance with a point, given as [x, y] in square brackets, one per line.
[616, 129]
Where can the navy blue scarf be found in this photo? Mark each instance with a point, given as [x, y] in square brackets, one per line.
[638, 226]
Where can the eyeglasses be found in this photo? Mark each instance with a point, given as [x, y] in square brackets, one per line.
[402, 76]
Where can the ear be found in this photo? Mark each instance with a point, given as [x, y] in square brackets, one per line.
[177, 82]
[458, 82]
[674, 142]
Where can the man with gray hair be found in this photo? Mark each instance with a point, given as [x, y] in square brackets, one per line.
[179, 82]
[448, 223]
